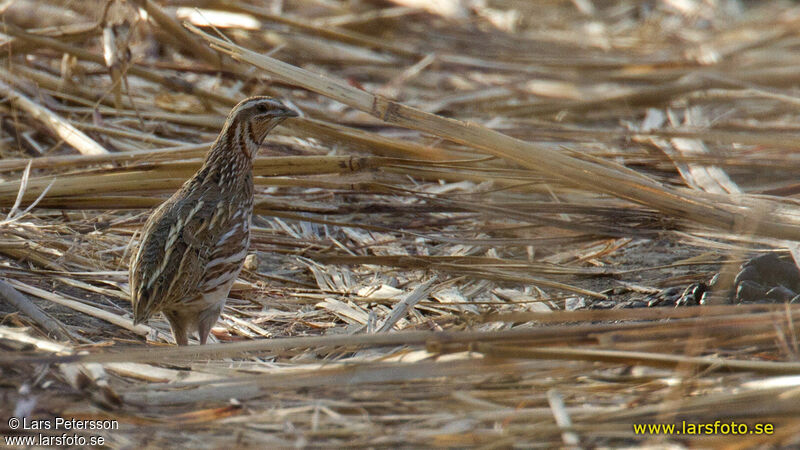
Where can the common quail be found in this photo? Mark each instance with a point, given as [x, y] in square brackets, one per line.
[194, 244]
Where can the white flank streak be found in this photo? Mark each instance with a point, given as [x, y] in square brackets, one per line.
[233, 258]
[217, 214]
[202, 228]
[194, 211]
[172, 236]
[174, 231]
[220, 280]
[230, 233]
[138, 256]
[161, 268]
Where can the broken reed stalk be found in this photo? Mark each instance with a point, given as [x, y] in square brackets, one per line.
[329, 32]
[171, 82]
[634, 358]
[28, 308]
[247, 386]
[53, 162]
[55, 123]
[751, 322]
[170, 175]
[174, 28]
[588, 173]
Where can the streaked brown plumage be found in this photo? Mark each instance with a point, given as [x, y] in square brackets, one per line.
[194, 244]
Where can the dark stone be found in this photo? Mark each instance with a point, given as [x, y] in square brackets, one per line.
[781, 293]
[691, 295]
[748, 291]
[765, 259]
[748, 273]
[771, 270]
[760, 301]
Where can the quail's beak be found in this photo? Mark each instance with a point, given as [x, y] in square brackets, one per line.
[287, 113]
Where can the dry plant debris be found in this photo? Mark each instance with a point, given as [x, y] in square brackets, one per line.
[453, 245]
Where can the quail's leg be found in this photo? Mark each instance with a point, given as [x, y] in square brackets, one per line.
[178, 324]
[207, 320]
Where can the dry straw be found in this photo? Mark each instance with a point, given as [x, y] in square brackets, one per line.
[449, 241]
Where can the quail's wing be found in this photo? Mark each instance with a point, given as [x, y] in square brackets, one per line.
[227, 237]
[174, 252]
